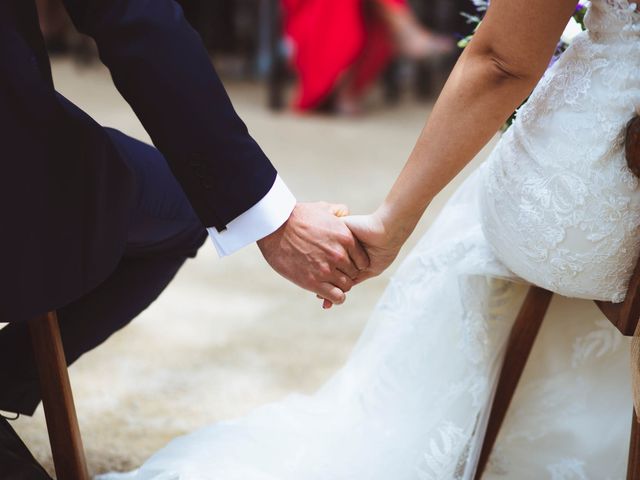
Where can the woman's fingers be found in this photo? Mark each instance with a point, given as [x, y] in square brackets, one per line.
[326, 304]
[332, 293]
[359, 227]
[343, 281]
[366, 275]
[350, 256]
[359, 256]
[339, 286]
[339, 209]
[345, 266]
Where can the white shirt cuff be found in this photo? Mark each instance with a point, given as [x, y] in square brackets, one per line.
[264, 218]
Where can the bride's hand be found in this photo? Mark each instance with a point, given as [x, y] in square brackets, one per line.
[380, 241]
[380, 244]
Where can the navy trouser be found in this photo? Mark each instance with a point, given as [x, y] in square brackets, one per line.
[164, 232]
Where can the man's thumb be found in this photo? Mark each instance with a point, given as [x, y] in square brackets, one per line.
[339, 210]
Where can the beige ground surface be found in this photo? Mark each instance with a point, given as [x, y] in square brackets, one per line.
[229, 334]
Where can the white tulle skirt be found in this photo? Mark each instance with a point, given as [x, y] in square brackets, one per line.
[412, 400]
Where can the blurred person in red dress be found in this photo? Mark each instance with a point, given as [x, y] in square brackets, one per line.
[339, 47]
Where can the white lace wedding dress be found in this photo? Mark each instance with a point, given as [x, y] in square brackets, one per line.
[554, 205]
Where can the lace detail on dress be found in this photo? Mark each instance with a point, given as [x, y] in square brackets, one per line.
[561, 207]
[612, 16]
[442, 459]
[595, 344]
[568, 469]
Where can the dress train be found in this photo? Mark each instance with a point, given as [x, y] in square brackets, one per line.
[412, 400]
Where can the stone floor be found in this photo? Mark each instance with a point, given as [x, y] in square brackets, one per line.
[230, 334]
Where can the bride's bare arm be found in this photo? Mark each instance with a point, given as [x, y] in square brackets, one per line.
[498, 69]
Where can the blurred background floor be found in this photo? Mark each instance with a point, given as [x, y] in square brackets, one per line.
[229, 334]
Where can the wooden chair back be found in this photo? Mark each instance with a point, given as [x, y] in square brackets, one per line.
[525, 329]
[625, 315]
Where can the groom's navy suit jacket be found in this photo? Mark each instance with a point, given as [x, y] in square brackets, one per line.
[65, 191]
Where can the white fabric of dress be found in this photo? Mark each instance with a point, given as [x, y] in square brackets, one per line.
[554, 205]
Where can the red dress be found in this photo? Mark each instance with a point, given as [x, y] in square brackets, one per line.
[330, 37]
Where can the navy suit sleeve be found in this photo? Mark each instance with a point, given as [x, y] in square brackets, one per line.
[160, 66]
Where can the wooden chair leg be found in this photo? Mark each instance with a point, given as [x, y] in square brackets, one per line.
[523, 334]
[633, 466]
[57, 400]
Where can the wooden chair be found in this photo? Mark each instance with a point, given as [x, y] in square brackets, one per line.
[57, 400]
[623, 315]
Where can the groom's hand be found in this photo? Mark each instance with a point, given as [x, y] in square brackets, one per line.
[315, 250]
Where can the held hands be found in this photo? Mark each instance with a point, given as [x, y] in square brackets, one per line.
[323, 250]
[380, 243]
[315, 250]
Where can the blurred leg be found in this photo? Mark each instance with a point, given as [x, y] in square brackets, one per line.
[375, 56]
[54, 24]
[411, 38]
[164, 233]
